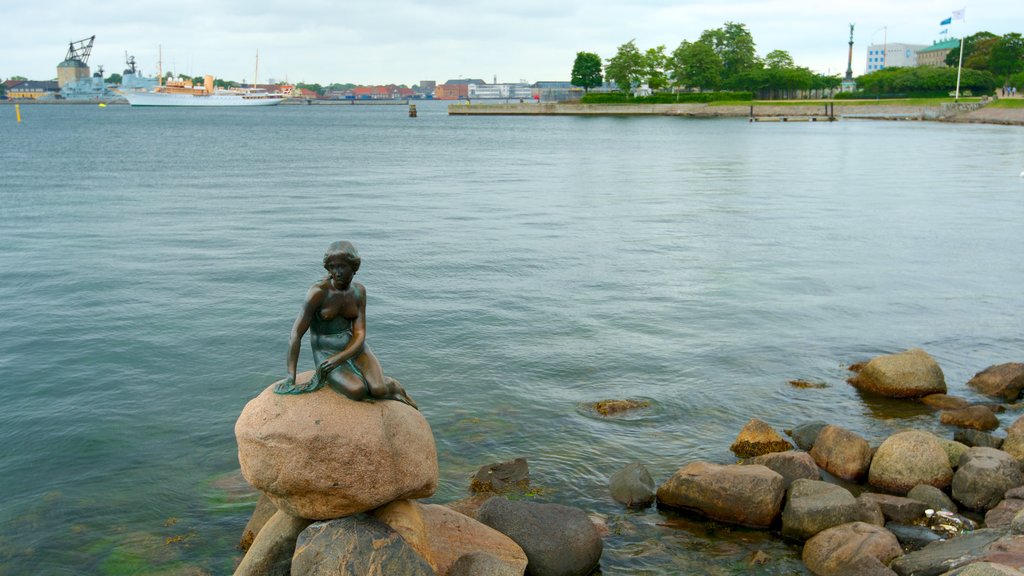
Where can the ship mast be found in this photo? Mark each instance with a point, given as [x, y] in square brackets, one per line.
[256, 75]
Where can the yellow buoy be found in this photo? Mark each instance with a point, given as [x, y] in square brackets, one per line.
[103, 105]
[17, 112]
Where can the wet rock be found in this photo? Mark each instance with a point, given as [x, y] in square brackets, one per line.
[848, 550]
[907, 459]
[558, 540]
[1014, 443]
[481, 564]
[263, 511]
[790, 465]
[897, 508]
[971, 438]
[355, 546]
[842, 453]
[470, 505]
[271, 551]
[869, 512]
[1002, 515]
[974, 417]
[984, 476]
[813, 506]
[944, 401]
[757, 438]
[804, 435]
[805, 384]
[1001, 381]
[632, 486]
[321, 455]
[954, 451]
[940, 557]
[1008, 551]
[611, 407]
[737, 494]
[910, 374]
[502, 477]
[912, 536]
[932, 497]
[1017, 524]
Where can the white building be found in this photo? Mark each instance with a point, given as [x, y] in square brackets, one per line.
[892, 55]
[496, 91]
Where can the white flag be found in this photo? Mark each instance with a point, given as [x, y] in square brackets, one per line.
[959, 14]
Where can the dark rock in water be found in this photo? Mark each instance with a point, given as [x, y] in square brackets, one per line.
[502, 477]
[978, 438]
[633, 486]
[842, 453]
[813, 506]
[932, 497]
[757, 438]
[610, 407]
[897, 508]
[737, 494]
[940, 557]
[264, 510]
[1002, 381]
[910, 374]
[355, 546]
[790, 465]
[807, 384]
[912, 536]
[851, 549]
[984, 476]
[558, 540]
[481, 564]
[944, 401]
[271, 551]
[804, 435]
[974, 417]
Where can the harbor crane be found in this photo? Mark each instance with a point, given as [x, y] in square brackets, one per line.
[80, 50]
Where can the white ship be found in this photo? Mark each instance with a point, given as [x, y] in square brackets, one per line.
[184, 93]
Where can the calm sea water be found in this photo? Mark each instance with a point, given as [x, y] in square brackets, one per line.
[153, 261]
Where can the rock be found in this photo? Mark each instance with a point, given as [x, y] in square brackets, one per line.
[558, 540]
[1014, 442]
[1002, 515]
[897, 508]
[790, 465]
[271, 551]
[944, 401]
[869, 512]
[813, 506]
[611, 407]
[984, 476]
[940, 557]
[842, 453]
[971, 438]
[974, 417]
[470, 505]
[838, 550]
[737, 494]
[907, 459]
[481, 564]
[932, 497]
[321, 455]
[502, 477]
[912, 536]
[804, 435]
[1017, 524]
[355, 546]
[757, 438]
[954, 451]
[1001, 381]
[1008, 551]
[441, 535]
[910, 374]
[263, 511]
[986, 569]
[632, 486]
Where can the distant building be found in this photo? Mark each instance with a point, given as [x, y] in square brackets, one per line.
[892, 55]
[935, 55]
[500, 91]
[547, 91]
[456, 89]
[427, 86]
[33, 90]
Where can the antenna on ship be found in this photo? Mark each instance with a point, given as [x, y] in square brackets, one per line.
[160, 66]
[256, 75]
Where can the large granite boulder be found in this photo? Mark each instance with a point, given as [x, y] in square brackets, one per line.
[758, 437]
[813, 506]
[984, 476]
[944, 402]
[941, 557]
[1014, 442]
[1001, 381]
[260, 515]
[441, 535]
[355, 546]
[907, 459]
[632, 486]
[842, 453]
[558, 540]
[910, 374]
[790, 465]
[270, 553]
[321, 455]
[481, 564]
[971, 438]
[976, 417]
[841, 550]
[737, 494]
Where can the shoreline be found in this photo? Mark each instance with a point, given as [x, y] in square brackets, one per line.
[821, 110]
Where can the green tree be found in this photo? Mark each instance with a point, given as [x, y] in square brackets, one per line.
[970, 46]
[779, 60]
[586, 71]
[18, 78]
[627, 68]
[655, 62]
[114, 78]
[1007, 56]
[695, 65]
[734, 45]
[314, 87]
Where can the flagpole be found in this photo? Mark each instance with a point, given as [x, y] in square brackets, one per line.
[958, 67]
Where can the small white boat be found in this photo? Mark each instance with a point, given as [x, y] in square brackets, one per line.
[184, 93]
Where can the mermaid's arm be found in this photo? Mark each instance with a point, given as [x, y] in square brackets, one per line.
[302, 322]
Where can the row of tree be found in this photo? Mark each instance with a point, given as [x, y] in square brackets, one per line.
[722, 58]
[1003, 56]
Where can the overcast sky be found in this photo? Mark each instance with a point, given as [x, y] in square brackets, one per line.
[405, 41]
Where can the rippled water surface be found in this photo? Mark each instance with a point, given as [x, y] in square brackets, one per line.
[153, 261]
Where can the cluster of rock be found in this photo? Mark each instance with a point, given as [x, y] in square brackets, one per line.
[918, 488]
[340, 480]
